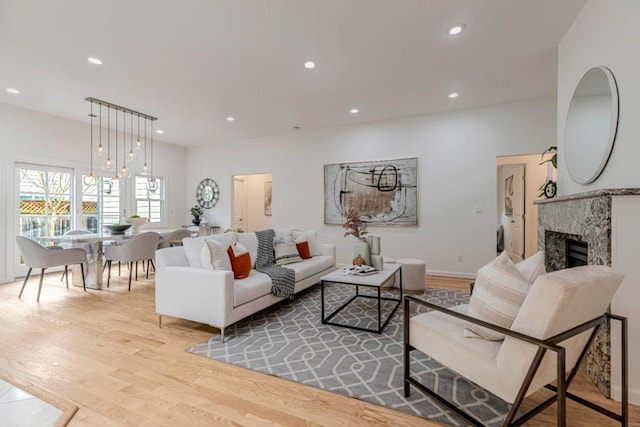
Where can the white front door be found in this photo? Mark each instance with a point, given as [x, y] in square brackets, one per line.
[239, 214]
[511, 214]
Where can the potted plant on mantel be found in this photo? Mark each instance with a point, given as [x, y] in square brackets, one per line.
[196, 212]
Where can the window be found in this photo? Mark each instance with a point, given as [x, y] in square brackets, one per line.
[150, 204]
[45, 200]
[100, 204]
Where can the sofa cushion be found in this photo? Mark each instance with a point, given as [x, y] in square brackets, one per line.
[532, 267]
[308, 267]
[214, 256]
[498, 293]
[309, 236]
[303, 250]
[240, 260]
[193, 246]
[256, 285]
[250, 241]
[286, 253]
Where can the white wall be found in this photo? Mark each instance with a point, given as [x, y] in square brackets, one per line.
[606, 33]
[254, 186]
[456, 165]
[34, 137]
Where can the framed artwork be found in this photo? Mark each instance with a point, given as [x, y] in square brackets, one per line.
[508, 196]
[385, 192]
[267, 198]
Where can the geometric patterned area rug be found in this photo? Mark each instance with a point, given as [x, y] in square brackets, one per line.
[288, 340]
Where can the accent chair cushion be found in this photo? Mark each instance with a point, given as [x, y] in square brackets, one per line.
[498, 293]
[532, 267]
[240, 261]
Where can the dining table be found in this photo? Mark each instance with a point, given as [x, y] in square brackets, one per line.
[93, 244]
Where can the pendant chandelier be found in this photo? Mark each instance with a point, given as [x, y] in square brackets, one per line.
[107, 157]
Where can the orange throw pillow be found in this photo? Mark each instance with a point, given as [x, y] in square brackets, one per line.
[303, 250]
[241, 264]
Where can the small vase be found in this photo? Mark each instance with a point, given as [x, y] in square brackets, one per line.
[196, 221]
[361, 248]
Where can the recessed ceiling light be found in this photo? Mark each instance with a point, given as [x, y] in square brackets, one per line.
[309, 64]
[230, 118]
[13, 91]
[453, 95]
[95, 61]
[160, 131]
[354, 111]
[456, 29]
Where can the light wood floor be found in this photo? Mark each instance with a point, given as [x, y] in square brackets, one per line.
[103, 351]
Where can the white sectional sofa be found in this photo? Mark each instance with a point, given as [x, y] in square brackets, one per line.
[187, 290]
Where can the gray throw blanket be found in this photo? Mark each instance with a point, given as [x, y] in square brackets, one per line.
[283, 279]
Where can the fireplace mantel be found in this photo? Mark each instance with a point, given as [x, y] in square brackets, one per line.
[586, 217]
[609, 192]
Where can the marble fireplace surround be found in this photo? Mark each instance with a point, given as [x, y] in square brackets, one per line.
[585, 217]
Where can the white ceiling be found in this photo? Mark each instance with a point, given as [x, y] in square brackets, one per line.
[192, 63]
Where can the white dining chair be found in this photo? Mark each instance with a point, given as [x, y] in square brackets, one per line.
[37, 256]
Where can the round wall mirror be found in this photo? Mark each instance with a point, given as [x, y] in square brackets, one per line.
[592, 121]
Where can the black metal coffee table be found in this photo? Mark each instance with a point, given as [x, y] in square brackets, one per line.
[375, 281]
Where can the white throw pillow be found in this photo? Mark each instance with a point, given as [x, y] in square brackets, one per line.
[214, 256]
[286, 253]
[498, 293]
[532, 267]
[311, 237]
[238, 249]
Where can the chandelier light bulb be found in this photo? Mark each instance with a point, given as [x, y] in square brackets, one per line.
[100, 150]
[132, 155]
[89, 179]
[152, 184]
[139, 144]
[145, 169]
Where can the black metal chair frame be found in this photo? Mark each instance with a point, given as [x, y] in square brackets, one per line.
[550, 344]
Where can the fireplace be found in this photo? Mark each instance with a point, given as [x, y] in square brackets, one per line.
[576, 253]
[572, 231]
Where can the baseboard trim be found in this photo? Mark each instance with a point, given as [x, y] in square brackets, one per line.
[451, 274]
[634, 395]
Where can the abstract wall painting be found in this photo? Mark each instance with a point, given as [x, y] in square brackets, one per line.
[384, 191]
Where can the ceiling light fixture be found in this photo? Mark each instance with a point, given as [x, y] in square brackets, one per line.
[456, 29]
[13, 90]
[94, 61]
[128, 156]
[354, 111]
[309, 65]
[160, 131]
[453, 95]
[230, 119]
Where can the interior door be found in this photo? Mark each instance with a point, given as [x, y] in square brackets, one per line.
[239, 204]
[512, 200]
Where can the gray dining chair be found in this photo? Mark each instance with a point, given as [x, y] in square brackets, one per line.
[71, 232]
[37, 256]
[141, 247]
[174, 238]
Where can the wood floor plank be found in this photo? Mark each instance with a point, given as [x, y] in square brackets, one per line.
[103, 351]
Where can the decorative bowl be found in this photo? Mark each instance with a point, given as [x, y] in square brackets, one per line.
[136, 222]
[117, 228]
